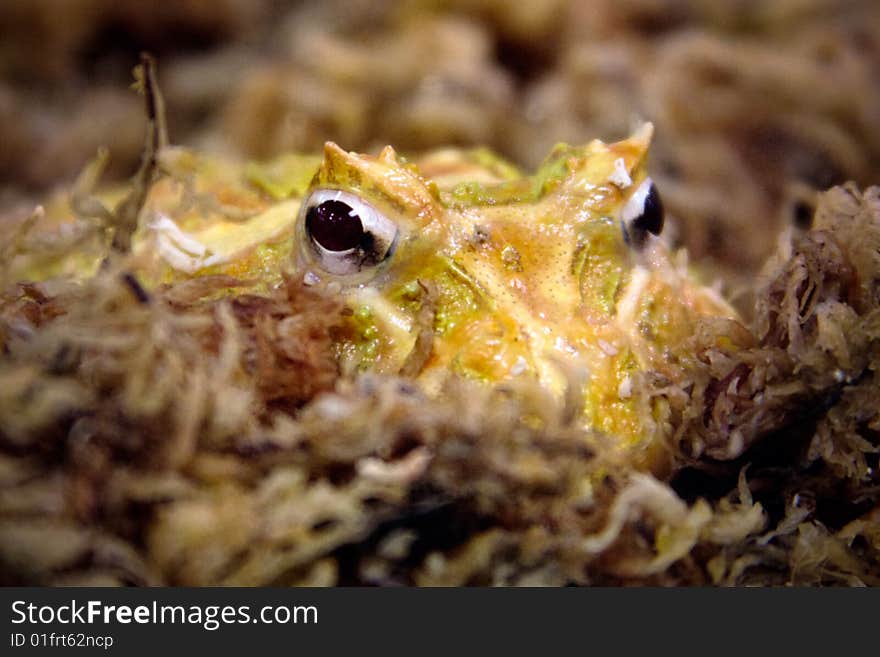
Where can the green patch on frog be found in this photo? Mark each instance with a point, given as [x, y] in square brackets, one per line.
[494, 163]
[598, 265]
[284, 177]
[515, 188]
[358, 341]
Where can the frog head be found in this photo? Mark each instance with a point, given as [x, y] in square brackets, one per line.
[455, 265]
[459, 264]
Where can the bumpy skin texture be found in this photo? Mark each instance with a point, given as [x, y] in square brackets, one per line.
[494, 275]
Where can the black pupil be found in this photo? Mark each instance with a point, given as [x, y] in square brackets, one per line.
[651, 218]
[334, 226]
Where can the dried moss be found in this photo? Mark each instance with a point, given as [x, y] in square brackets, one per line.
[203, 434]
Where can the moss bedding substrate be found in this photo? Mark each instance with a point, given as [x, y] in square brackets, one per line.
[188, 436]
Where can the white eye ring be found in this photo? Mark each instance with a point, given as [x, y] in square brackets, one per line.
[642, 214]
[635, 206]
[378, 234]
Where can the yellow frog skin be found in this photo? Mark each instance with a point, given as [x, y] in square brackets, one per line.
[457, 263]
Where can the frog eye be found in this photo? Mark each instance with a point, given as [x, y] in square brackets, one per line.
[346, 234]
[643, 213]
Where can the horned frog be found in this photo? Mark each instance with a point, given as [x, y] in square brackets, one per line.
[457, 263]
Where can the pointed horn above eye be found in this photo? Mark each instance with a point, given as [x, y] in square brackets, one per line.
[638, 142]
[629, 155]
[388, 155]
[340, 167]
[403, 193]
[333, 151]
[643, 134]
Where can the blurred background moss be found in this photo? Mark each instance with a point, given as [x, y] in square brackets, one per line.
[756, 104]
